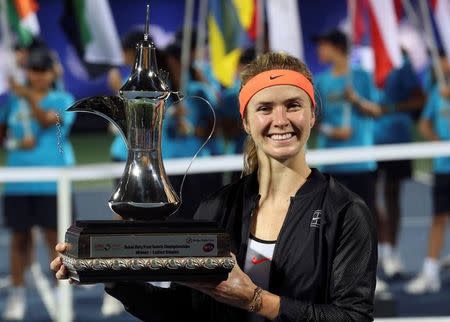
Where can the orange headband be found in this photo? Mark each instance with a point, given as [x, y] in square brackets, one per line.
[272, 78]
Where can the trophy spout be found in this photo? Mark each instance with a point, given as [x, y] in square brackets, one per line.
[111, 108]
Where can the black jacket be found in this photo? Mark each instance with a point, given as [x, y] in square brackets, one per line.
[323, 266]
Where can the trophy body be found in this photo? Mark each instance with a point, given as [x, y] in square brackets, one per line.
[144, 246]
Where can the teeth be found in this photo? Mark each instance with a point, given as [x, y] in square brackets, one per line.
[281, 136]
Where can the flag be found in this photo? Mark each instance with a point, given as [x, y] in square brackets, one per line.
[90, 28]
[384, 34]
[228, 22]
[285, 30]
[441, 14]
[22, 19]
[25, 32]
[252, 29]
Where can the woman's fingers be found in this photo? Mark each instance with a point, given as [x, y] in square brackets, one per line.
[61, 247]
[61, 274]
[55, 265]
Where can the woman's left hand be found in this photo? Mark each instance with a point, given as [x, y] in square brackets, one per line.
[237, 290]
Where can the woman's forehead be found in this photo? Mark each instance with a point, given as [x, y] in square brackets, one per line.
[278, 93]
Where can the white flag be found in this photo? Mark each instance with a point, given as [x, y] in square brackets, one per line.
[285, 30]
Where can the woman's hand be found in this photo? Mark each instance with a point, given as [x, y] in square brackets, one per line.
[57, 265]
[237, 290]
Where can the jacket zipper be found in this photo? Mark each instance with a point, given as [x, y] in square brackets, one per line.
[275, 253]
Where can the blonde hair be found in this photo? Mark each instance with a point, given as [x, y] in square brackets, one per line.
[265, 62]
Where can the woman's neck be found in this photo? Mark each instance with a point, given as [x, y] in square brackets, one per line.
[281, 180]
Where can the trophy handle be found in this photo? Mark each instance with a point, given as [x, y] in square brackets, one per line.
[111, 108]
[180, 96]
[175, 97]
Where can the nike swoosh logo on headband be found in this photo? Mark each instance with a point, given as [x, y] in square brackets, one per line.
[274, 76]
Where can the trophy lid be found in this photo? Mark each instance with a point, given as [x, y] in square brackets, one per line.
[145, 79]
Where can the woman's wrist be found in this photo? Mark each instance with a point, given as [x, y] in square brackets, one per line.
[264, 303]
[270, 307]
[256, 302]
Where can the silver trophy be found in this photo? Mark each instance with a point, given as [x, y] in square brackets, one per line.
[143, 246]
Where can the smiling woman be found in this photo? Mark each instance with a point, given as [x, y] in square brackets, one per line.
[305, 246]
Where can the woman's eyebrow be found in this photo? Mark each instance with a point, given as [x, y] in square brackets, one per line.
[294, 99]
[264, 103]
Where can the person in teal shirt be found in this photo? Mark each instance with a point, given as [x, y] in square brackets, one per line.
[435, 126]
[37, 135]
[186, 126]
[347, 116]
[401, 99]
[347, 96]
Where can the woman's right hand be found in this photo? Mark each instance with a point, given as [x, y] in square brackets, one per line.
[57, 265]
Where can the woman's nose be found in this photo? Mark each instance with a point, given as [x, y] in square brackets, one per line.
[280, 116]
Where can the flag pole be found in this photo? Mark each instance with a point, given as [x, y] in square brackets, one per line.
[351, 9]
[431, 42]
[200, 54]
[260, 30]
[7, 40]
[411, 14]
[186, 43]
[347, 111]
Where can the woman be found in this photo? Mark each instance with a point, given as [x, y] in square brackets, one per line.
[37, 135]
[305, 246]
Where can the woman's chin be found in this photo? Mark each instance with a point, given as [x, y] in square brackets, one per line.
[283, 156]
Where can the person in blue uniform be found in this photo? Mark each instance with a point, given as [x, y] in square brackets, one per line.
[348, 98]
[347, 119]
[401, 98]
[37, 135]
[435, 126]
[186, 126]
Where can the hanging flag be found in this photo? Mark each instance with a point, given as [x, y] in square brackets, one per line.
[285, 30]
[441, 15]
[252, 29]
[22, 19]
[384, 38]
[357, 20]
[89, 25]
[384, 34]
[228, 22]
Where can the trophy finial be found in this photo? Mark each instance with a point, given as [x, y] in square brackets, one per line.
[147, 18]
[145, 75]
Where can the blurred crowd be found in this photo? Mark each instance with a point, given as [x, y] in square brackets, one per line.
[34, 131]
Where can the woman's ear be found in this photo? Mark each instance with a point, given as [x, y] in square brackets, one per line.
[246, 127]
[313, 120]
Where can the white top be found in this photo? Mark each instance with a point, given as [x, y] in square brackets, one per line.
[257, 265]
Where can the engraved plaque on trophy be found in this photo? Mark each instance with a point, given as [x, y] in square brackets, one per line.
[143, 246]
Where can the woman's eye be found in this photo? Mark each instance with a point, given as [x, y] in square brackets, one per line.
[263, 108]
[294, 105]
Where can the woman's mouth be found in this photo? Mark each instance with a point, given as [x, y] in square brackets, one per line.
[281, 136]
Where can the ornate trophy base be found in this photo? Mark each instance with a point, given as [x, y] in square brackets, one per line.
[105, 251]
